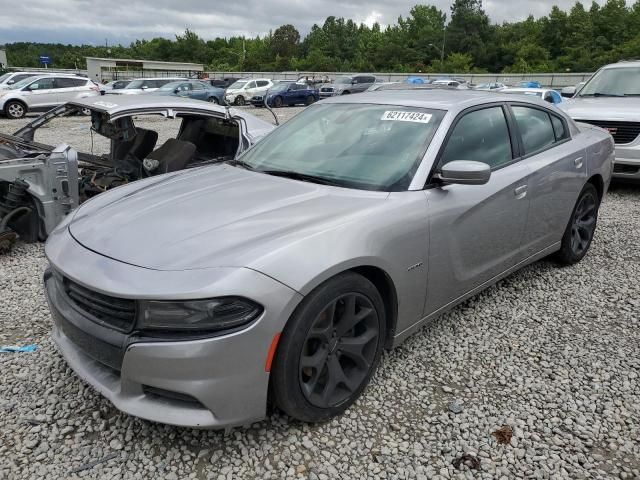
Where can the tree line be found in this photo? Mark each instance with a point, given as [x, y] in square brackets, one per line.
[426, 40]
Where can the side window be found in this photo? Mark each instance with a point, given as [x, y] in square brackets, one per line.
[559, 128]
[17, 78]
[197, 86]
[535, 128]
[42, 84]
[251, 85]
[262, 83]
[481, 135]
[64, 82]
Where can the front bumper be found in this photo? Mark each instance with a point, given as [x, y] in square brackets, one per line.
[213, 382]
[627, 162]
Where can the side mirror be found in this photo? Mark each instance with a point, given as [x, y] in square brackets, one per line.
[144, 87]
[353, 82]
[177, 90]
[465, 172]
[11, 82]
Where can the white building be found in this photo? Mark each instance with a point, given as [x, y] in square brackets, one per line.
[3, 59]
[100, 69]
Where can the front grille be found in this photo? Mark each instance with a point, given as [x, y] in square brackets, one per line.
[257, 99]
[326, 89]
[622, 132]
[119, 313]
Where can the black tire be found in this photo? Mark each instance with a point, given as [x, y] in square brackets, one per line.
[581, 227]
[309, 100]
[277, 102]
[239, 100]
[342, 350]
[346, 92]
[213, 100]
[15, 110]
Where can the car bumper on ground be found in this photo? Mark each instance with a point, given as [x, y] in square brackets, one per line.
[213, 382]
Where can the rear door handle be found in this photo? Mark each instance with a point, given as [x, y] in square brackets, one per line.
[520, 192]
[578, 162]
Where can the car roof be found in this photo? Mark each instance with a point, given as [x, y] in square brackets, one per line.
[528, 90]
[437, 99]
[49, 75]
[623, 64]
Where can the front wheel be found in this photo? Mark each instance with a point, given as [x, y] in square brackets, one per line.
[329, 349]
[277, 102]
[581, 228]
[239, 101]
[15, 110]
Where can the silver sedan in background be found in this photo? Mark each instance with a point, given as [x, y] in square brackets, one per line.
[185, 298]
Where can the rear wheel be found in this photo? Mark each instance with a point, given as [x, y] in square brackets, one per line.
[277, 102]
[309, 100]
[15, 110]
[213, 100]
[329, 349]
[581, 228]
[239, 100]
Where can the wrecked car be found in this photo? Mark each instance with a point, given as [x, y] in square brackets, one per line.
[40, 183]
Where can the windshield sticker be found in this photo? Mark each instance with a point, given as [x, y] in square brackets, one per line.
[105, 104]
[398, 116]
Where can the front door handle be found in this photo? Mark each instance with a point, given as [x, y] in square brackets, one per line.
[578, 162]
[520, 192]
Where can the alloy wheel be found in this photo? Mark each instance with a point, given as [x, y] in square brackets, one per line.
[15, 110]
[339, 350]
[584, 223]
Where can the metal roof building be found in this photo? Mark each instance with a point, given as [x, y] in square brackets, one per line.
[100, 69]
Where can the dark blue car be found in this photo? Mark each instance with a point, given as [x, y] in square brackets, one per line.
[287, 93]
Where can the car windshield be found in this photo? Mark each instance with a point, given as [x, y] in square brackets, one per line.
[362, 146]
[343, 80]
[237, 85]
[279, 87]
[614, 82]
[21, 83]
[169, 87]
[135, 84]
[5, 77]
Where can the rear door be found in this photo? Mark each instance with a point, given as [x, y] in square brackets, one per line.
[559, 170]
[198, 91]
[68, 89]
[476, 231]
[41, 94]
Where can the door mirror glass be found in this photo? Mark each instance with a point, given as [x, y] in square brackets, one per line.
[144, 87]
[11, 82]
[465, 172]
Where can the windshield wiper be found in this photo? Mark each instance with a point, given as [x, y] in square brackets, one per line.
[241, 164]
[599, 94]
[302, 176]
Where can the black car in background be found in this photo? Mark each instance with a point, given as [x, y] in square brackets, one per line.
[287, 93]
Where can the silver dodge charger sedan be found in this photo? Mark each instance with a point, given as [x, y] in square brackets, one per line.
[197, 297]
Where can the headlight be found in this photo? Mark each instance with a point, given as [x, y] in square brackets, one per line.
[198, 315]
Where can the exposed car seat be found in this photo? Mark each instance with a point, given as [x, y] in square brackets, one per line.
[174, 155]
[140, 146]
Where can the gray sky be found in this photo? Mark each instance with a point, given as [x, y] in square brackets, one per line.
[93, 21]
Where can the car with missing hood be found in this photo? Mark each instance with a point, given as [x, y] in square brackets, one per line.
[611, 99]
[40, 184]
[197, 297]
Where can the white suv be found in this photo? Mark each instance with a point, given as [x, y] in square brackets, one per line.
[43, 93]
[242, 91]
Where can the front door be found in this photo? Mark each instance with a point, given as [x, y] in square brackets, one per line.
[476, 231]
[41, 94]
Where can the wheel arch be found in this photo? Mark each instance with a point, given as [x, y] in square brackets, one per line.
[16, 100]
[598, 182]
[380, 278]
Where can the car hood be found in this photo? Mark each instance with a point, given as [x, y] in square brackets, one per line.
[603, 108]
[217, 216]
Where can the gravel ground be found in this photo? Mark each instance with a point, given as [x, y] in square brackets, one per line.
[548, 357]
